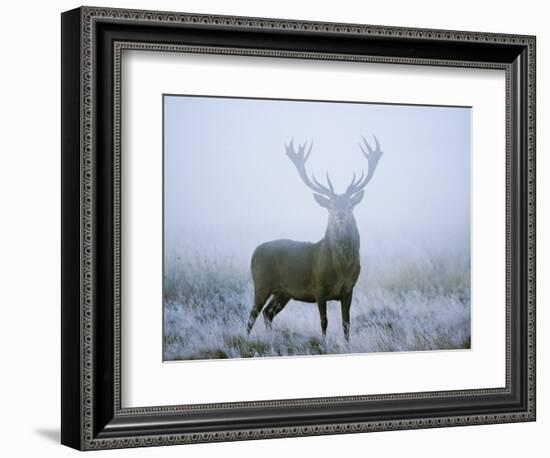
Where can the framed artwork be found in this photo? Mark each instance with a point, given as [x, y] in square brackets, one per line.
[277, 228]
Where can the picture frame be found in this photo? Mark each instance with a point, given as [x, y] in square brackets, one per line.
[93, 415]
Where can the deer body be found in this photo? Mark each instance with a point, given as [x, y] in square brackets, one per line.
[307, 271]
[313, 272]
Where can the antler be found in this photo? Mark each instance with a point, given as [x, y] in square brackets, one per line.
[372, 156]
[299, 160]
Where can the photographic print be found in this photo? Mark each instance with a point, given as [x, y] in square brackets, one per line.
[305, 227]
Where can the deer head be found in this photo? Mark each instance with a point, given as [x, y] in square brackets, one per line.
[339, 206]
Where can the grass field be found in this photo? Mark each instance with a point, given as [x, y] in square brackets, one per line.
[404, 304]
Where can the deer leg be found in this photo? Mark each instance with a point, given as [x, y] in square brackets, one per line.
[260, 298]
[276, 305]
[267, 311]
[346, 305]
[322, 304]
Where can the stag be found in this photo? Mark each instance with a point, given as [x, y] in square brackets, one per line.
[314, 272]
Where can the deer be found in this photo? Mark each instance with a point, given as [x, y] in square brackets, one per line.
[314, 272]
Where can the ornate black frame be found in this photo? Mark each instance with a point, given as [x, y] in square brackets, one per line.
[92, 42]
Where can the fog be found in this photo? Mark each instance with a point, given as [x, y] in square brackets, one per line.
[229, 186]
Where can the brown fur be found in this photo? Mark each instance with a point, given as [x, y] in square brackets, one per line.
[307, 272]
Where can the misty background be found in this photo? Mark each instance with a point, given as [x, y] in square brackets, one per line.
[229, 186]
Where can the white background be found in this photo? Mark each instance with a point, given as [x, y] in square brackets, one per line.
[146, 77]
[30, 245]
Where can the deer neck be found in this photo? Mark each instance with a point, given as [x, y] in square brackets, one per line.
[343, 242]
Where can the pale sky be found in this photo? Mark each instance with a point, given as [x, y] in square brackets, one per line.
[229, 184]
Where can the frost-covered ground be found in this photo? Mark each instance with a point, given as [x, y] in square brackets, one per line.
[407, 303]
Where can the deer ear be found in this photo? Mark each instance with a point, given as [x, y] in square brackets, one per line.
[357, 198]
[322, 201]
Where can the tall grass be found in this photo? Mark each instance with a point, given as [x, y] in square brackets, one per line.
[404, 303]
